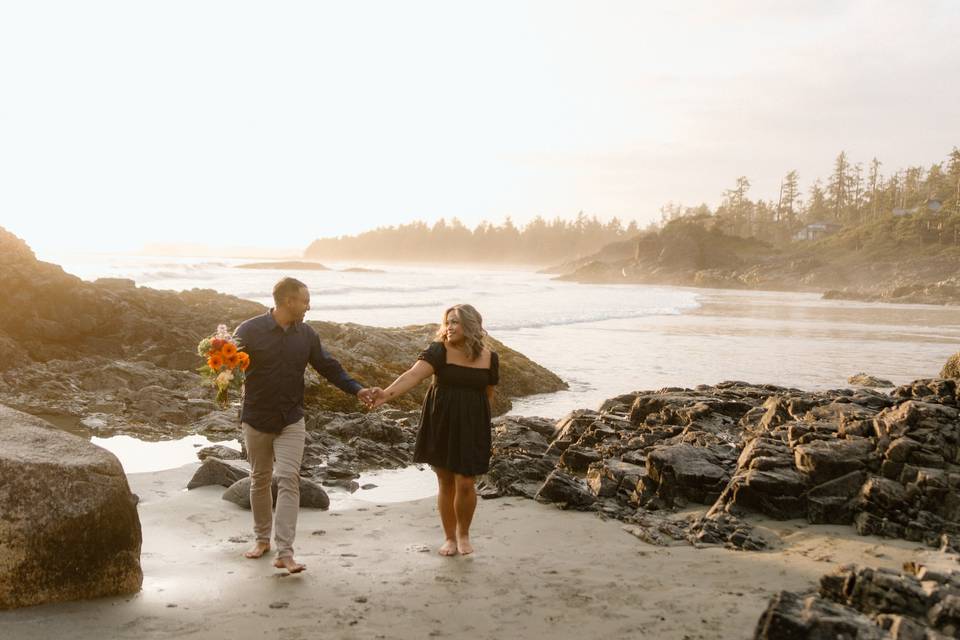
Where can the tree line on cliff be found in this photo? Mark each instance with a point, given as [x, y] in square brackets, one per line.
[915, 204]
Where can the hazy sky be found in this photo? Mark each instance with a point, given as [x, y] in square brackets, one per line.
[239, 123]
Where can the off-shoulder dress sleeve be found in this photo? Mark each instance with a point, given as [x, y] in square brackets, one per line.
[494, 368]
[435, 355]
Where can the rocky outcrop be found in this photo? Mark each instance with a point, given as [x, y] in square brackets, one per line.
[907, 291]
[338, 448]
[951, 369]
[864, 603]
[69, 528]
[378, 355]
[108, 357]
[865, 380]
[689, 252]
[886, 464]
[312, 495]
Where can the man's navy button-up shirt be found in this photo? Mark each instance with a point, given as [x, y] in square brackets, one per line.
[273, 387]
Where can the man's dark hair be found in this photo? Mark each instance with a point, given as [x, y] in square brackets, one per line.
[286, 288]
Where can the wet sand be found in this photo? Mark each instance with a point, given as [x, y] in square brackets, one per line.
[372, 572]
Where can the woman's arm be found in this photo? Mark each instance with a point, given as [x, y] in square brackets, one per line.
[407, 380]
[490, 392]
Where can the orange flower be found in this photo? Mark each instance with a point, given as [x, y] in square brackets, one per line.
[244, 360]
[228, 349]
[232, 360]
[215, 361]
[214, 352]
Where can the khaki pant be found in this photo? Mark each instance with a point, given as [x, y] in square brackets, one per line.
[282, 452]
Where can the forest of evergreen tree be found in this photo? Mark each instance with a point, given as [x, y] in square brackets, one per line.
[852, 195]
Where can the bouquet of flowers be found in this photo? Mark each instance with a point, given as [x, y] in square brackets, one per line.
[226, 363]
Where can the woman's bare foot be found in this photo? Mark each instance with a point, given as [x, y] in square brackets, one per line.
[288, 563]
[258, 550]
[464, 546]
[449, 548]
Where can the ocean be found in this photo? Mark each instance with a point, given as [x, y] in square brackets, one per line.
[604, 340]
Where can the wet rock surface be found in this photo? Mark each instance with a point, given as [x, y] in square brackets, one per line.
[914, 604]
[884, 463]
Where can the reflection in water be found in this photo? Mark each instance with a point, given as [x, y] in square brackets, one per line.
[138, 456]
[392, 485]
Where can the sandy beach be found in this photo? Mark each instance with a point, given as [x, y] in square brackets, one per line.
[373, 573]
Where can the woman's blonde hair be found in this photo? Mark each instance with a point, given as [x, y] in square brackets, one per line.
[472, 324]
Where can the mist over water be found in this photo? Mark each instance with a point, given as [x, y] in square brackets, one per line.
[603, 340]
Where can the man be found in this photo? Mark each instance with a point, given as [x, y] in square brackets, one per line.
[280, 346]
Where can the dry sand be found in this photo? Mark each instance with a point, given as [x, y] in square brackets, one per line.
[538, 573]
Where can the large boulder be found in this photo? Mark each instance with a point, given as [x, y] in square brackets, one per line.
[312, 495]
[69, 528]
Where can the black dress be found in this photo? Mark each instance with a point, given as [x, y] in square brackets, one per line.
[455, 420]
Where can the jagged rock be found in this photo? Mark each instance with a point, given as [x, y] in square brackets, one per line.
[215, 471]
[312, 495]
[918, 604]
[863, 380]
[608, 477]
[685, 472]
[219, 451]
[725, 529]
[936, 390]
[833, 502]
[577, 459]
[571, 428]
[776, 492]
[824, 460]
[69, 528]
[791, 616]
[370, 426]
[520, 462]
[565, 491]
[885, 463]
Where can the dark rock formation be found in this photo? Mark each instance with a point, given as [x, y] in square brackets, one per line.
[312, 495]
[69, 528]
[887, 464]
[864, 603]
[338, 448]
[215, 471]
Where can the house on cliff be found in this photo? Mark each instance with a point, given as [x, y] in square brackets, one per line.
[817, 230]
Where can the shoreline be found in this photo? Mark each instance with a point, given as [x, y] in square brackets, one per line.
[538, 573]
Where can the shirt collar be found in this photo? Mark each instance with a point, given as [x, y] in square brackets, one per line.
[272, 323]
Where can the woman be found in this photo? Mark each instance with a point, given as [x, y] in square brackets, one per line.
[454, 436]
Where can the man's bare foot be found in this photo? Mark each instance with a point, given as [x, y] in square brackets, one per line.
[449, 548]
[258, 550]
[288, 563]
[464, 546]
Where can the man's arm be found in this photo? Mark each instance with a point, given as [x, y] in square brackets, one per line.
[330, 368]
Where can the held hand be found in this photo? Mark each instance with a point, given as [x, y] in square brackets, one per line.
[379, 399]
[367, 396]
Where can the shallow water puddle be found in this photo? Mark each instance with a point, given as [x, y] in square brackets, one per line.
[140, 456]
